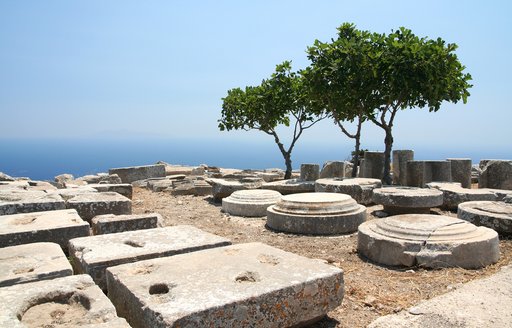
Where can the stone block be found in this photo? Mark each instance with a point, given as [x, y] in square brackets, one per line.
[92, 255]
[361, 189]
[159, 185]
[12, 202]
[73, 301]
[250, 203]
[69, 193]
[134, 173]
[454, 194]
[110, 223]
[124, 189]
[290, 186]
[333, 169]
[309, 172]
[400, 159]
[419, 173]
[49, 226]
[461, 171]
[92, 204]
[494, 215]
[496, 174]
[245, 285]
[373, 165]
[32, 262]
[223, 188]
[403, 200]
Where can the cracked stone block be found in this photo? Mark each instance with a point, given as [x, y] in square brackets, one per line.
[32, 262]
[244, 285]
[73, 301]
[428, 240]
[403, 200]
[12, 202]
[92, 204]
[494, 215]
[110, 223]
[124, 189]
[135, 173]
[361, 189]
[49, 226]
[92, 255]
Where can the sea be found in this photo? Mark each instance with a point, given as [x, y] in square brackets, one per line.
[43, 159]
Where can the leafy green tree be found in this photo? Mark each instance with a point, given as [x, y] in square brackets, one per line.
[280, 100]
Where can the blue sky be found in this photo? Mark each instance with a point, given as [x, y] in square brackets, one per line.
[158, 69]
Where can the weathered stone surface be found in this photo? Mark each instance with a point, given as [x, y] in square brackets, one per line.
[316, 213]
[5, 177]
[69, 193]
[32, 262]
[475, 173]
[73, 301]
[40, 186]
[134, 173]
[373, 165]
[333, 169]
[454, 194]
[402, 200]
[419, 173]
[92, 255]
[177, 169]
[309, 172]
[494, 215]
[496, 174]
[290, 186]
[479, 303]
[245, 285]
[223, 188]
[49, 226]
[400, 159]
[198, 171]
[124, 189]
[159, 185]
[92, 204]
[427, 240]
[61, 180]
[461, 171]
[361, 189]
[13, 185]
[12, 202]
[110, 223]
[250, 203]
[270, 175]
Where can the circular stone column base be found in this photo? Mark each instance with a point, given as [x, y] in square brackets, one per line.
[397, 210]
[428, 240]
[407, 200]
[250, 203]
[316, 214]
[494, 215]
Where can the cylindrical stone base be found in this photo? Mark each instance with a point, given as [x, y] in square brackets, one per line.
[250, 203]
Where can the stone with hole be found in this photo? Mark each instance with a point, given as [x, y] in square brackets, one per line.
[73, 301]
[245, 285]
[494, 215]
[111, 223]
[403, 200]
[49, 226]
[428, 240]
[316, 214]
[92, 255]
[32, 262]
[250, 203]
[13, 202]
[361, 189]
[91, 204]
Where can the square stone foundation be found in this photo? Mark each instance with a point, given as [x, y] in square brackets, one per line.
[73, 301]
[14, 201]
[50, 226]
[245, 285]
[110, 223]
[32, 262]
[92, 255]
[91, 204]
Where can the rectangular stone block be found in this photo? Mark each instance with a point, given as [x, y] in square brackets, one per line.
[90, 205]
[134, 173]
[12, 202]
[73, 301]
[92, 255]
[49, 226]
[124, 189]
[110, 223]
[244, 285]
[69, 193]
[32, 262]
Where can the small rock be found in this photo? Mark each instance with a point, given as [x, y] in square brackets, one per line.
[415, 311]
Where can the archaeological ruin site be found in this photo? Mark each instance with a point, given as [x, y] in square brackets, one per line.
[177, 246]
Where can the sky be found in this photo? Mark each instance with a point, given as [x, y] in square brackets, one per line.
[159, 69]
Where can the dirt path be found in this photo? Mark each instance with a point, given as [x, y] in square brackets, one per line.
[371, 290]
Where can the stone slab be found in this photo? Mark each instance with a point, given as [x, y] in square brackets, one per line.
[361, 189]
[244, 285]
[111, 223]
[69, 193]
[90, 205]
[73, 301]
[290, 186]
[479, 303]
[92, 255]
[12, 202]
[49, 226]
[428, 240]
[32, 262]
[454, 194]
[494, 215]
[134, 173]
[402, 200]
[124, 189]
[250, 203]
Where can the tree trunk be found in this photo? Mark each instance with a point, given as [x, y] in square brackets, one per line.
[288, 163]
[357, 137]
[388, 141]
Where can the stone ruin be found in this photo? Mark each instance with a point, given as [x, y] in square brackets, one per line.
[361, 189]
[404, 200]
[494, 215]
[250, 203]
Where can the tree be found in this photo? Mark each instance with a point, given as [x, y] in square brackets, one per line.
[342, 80]
[280, 100]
